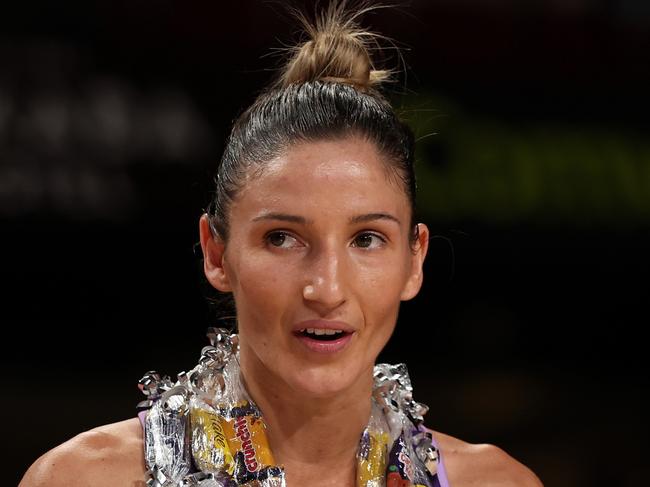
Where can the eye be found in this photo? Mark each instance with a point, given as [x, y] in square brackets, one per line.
[368, 240]
[281, 240]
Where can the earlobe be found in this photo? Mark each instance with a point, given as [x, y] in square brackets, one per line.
[213, 256]
[414, 281]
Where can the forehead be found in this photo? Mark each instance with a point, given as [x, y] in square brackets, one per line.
[335, 173]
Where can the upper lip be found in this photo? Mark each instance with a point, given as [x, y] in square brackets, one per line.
[323, 325]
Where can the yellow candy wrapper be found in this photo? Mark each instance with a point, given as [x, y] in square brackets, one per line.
[210, 447]
[372, 458]
[245, 433]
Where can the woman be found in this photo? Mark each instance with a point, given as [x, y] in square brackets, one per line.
[312, 231]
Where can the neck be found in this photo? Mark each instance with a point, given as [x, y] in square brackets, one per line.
[309, 432]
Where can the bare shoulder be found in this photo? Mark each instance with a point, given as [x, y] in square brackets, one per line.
[110, 455]
[485, 465]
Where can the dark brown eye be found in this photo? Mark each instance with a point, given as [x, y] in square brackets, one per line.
[281, 240]
[277, 239]
[368, 240]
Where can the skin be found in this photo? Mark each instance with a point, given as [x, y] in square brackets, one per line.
[341, 252]
[322, 233]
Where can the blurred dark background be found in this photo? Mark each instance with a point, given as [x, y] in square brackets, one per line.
[534, 164]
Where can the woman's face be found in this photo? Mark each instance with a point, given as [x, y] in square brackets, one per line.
[318, 260]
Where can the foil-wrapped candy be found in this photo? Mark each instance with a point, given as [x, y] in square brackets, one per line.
[223, 339]
[425, 451]
[156, 477]
[202, 479]
[390, 386]
[175, 401]
[207, 382]
[393, 390]
[152, 385]
[416, 411]
[178, 441]
[214, 358]
[183, 379]
[167, 452]
[149, 383]
[210, 448]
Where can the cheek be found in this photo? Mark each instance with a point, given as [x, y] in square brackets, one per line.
[384, 277]
[381, 288]
[261, 291]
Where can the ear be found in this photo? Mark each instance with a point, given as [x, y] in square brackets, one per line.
[213, 255]
[419, 252]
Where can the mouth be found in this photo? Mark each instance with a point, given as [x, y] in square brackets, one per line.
[322, 334]
[324, 337]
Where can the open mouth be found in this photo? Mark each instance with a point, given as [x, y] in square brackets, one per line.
[322, 334]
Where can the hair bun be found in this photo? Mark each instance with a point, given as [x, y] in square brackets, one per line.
[337, 50]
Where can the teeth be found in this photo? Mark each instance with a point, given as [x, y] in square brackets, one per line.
[320, 331]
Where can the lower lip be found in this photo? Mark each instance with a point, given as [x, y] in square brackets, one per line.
[322, 346]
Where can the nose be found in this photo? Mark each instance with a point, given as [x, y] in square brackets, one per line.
[324, 289]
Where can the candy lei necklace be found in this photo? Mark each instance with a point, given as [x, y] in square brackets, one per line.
[205, 431]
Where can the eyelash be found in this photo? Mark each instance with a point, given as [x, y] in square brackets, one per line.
[268, 236]
[372, 234]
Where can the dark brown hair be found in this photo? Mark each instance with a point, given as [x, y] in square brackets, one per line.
[328, 90]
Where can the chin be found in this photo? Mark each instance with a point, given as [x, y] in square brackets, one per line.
[325, 380]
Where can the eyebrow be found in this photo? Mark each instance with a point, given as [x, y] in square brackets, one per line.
[282, 217]
[373, 217]
[304, 221]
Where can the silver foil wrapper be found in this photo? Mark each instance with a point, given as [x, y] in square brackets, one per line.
[177, 444]
[416, 447]
[167, 452]
[202, 479]
[393, 390]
